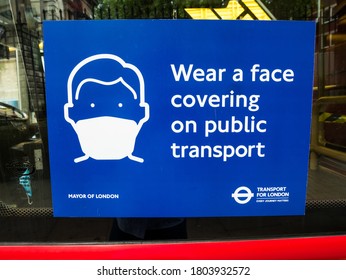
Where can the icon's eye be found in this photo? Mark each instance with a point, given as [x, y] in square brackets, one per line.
[92, 105]
[120, 105]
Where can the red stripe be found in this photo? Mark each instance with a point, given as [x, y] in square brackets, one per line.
[314, 248]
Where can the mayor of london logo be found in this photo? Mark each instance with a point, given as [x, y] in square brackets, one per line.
[242, 195]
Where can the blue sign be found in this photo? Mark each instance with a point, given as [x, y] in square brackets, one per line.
[178, 118]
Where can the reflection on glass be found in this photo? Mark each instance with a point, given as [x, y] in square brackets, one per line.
[25, 197]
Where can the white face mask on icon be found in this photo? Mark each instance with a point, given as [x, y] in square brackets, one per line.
[106, 137]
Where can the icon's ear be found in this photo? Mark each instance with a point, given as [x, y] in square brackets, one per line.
[69, 113]
[139, 115]
[146, 111]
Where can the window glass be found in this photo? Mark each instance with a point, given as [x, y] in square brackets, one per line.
[25, 192]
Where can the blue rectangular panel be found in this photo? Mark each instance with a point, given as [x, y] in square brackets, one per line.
[178, 118]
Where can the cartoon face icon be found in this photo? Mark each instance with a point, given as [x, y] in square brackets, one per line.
[106, 107]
